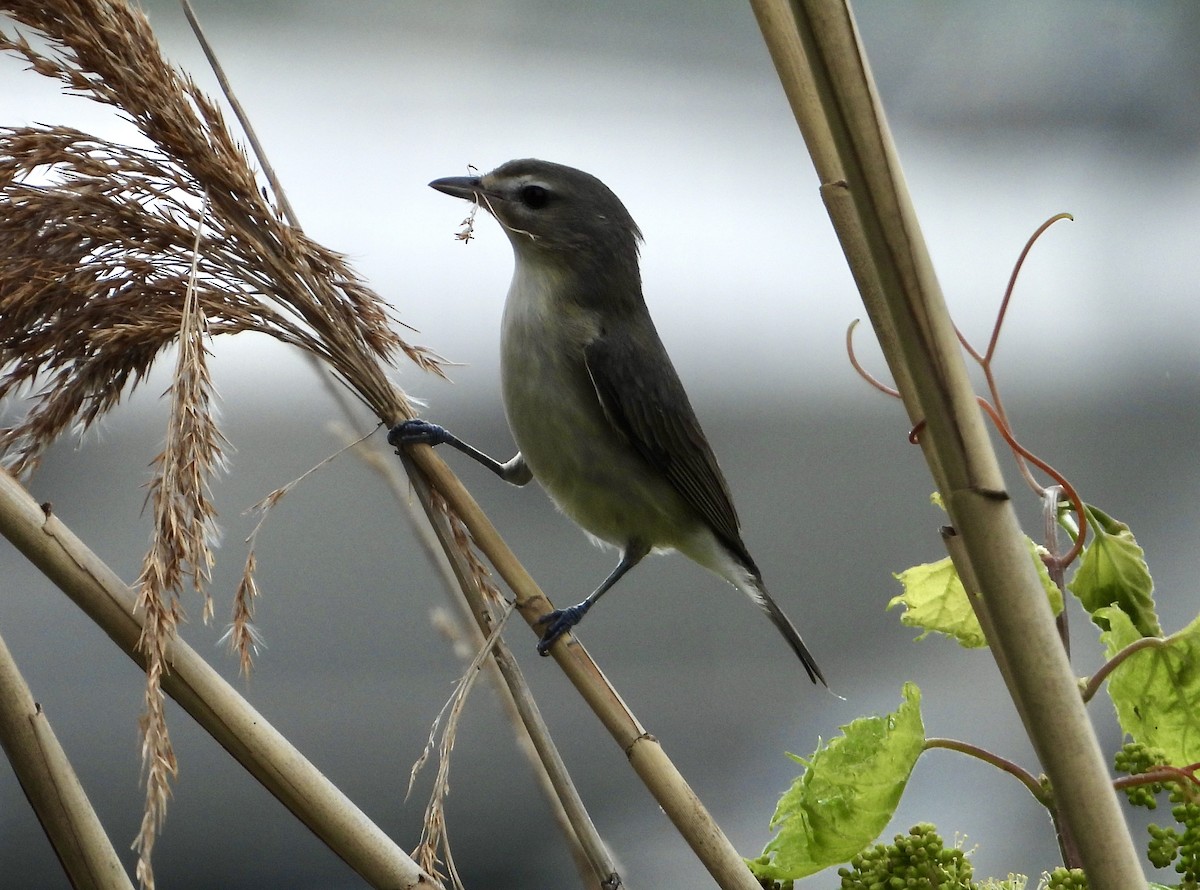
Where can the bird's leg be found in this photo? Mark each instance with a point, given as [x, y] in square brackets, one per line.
[422, 432]
[560, 621]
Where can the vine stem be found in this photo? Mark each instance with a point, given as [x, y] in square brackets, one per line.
[985, 360]
[1068, 488]
[1026, 778]
[1185, 776]
[1098, 678]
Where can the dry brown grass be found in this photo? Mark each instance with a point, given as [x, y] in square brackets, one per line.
[110, 254]
[434, 847]
[98, 253]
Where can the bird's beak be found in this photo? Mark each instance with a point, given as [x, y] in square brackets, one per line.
[466, 187]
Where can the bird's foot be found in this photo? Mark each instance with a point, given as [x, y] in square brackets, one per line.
[558, 623]
[417, 432]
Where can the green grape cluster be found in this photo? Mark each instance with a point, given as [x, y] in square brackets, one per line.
[770, 883]
[1188, 866]
[1135, 758]
[1066, 879]
[1169, 844]
[918, 860]
[1163, 847]
[1179, 844]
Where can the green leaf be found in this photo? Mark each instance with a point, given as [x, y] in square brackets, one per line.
[1113, 572]
[1157, 691]
[847, 793]
[934, 599]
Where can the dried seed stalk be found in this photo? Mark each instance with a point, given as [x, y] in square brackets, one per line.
[435, 838]
[110, 253]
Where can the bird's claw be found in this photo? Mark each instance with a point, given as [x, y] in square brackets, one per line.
[416, 432]
[558, 623]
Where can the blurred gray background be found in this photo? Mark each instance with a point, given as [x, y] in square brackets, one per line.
[1003, 114]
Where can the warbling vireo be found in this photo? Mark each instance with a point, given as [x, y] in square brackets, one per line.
[594, 403]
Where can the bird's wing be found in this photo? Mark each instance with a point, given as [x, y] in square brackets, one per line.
[643, 398]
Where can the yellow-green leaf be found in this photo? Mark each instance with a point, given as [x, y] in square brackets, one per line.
[846, 795]
[934, 599]
[1157, 691]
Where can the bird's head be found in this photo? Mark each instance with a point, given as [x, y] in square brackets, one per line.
[552, 212]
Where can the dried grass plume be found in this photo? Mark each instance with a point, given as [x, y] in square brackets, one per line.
[110, 254]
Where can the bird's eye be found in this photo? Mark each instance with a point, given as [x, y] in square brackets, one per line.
[534, 196]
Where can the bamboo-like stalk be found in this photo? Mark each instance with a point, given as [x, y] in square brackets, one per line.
[588, 850]
[52, 788]
[825, 74]
[649, 761]
[569, 807]
[59, 554]
[212, 702]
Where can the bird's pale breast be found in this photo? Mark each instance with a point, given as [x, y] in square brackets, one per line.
[587, 466]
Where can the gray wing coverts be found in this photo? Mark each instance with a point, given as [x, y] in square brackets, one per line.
[634, 396]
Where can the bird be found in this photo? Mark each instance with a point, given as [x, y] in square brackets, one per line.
[595, 406]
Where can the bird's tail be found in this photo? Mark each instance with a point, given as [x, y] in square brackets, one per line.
[730, 560]
[781, 621]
